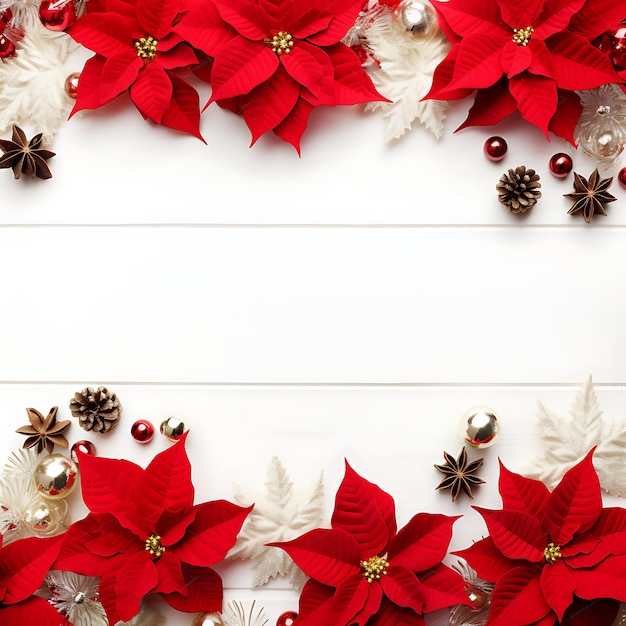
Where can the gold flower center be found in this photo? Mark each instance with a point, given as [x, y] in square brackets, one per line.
[521, 36]
[146, 47]
[552, 553]
[282, 43]
[154, 546]
[374, 567]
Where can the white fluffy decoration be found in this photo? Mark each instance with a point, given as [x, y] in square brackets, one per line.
[404, 73]
[279, 514]
[32, 84]
[568, 440]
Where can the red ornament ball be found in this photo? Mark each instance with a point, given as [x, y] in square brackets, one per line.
[618, 48]
[7, 48]
[142, 431]
[71, 85]
[495, 148]
[621, 178]
[84, 447]
[561, 164]
[5, 18]
[288, 618]
[57, 15]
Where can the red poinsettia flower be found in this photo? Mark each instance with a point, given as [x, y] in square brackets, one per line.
[137, 48]
[546, 549]
[524, 56]
[23, 566]
[364, 572]
[275, 60]
[144, 535]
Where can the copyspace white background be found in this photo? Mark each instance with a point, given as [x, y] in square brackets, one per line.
[349, 304]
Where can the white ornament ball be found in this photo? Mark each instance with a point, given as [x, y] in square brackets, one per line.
[479, 427]
[417, 16]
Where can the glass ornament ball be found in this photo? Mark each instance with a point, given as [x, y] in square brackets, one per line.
[479, 427]
[57, 15]
[495, 148]
[44, 517]
[71, 85]
[621, 178]
[418, 17]
[561, 164]
[55, 476]
[288, 618]
[173, 427]
[208, 619]
[603, 141]
[84, 447]
[142, 431]
[7, 47]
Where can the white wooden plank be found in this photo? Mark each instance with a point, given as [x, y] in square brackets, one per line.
[112, 167]
[311, 305]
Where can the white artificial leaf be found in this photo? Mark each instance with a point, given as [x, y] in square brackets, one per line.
[566, 441]
[280, 514]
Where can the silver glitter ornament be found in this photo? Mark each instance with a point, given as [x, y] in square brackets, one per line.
[55, 476]
[417, 16]
[479, 427]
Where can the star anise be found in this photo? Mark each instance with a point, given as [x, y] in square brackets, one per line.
[591, 195]
[25, 157]
[44, 431]
[460, 475]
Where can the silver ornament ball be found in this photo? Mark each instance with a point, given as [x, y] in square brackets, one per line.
[173, 427]
[479, 427]
[55, 476]
[418, 17]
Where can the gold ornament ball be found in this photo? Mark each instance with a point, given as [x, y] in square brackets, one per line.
[55, 476]
[480, 427]
[71, 85]
[173, 427]
[208, 619]
[46, 517]
[417, 16]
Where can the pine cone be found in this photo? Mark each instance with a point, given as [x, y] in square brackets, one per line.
[519, 189]
[96, 410]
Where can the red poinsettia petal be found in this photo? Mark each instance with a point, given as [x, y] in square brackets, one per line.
[246, 17]
[423, 542]
[555, 17]
[127, 8]
[515, 59]
[575, 503]
[443, 587]
[515, 14]
[180, 55]
[136, 577]
[315, 605]
[204, 29]
[110, 538]
[516, 534]
[558, 585]
[183, 112]
[595, 18]
[108, 34]
[152, 92]
[170, 572]
[24, 563]
[611, 528]
[403, 588]
[118, 75]
[309, 23]
[536, 98]
[563, 123]
[517, 599]
[605, 580]
[156, 17]
[366, 512]
[391, 615]
[467, 17]
[328, 556]
[204, 592]
[293, 127]
[344, 15]
[519, 493]
[270, 103]
[479, 62]
[487, 560]
[166, 483]
[212, 534]
[352, 83]
[442, 78]
[577, 64]
[240, 67]
[173, 525]
[309, 66]
[541, 63]
[35, 610]
[355, 601]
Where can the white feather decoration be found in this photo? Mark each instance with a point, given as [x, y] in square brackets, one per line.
[568, 440]
[404, 72]
[21, 464]
[32, 83]
[279, 514]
